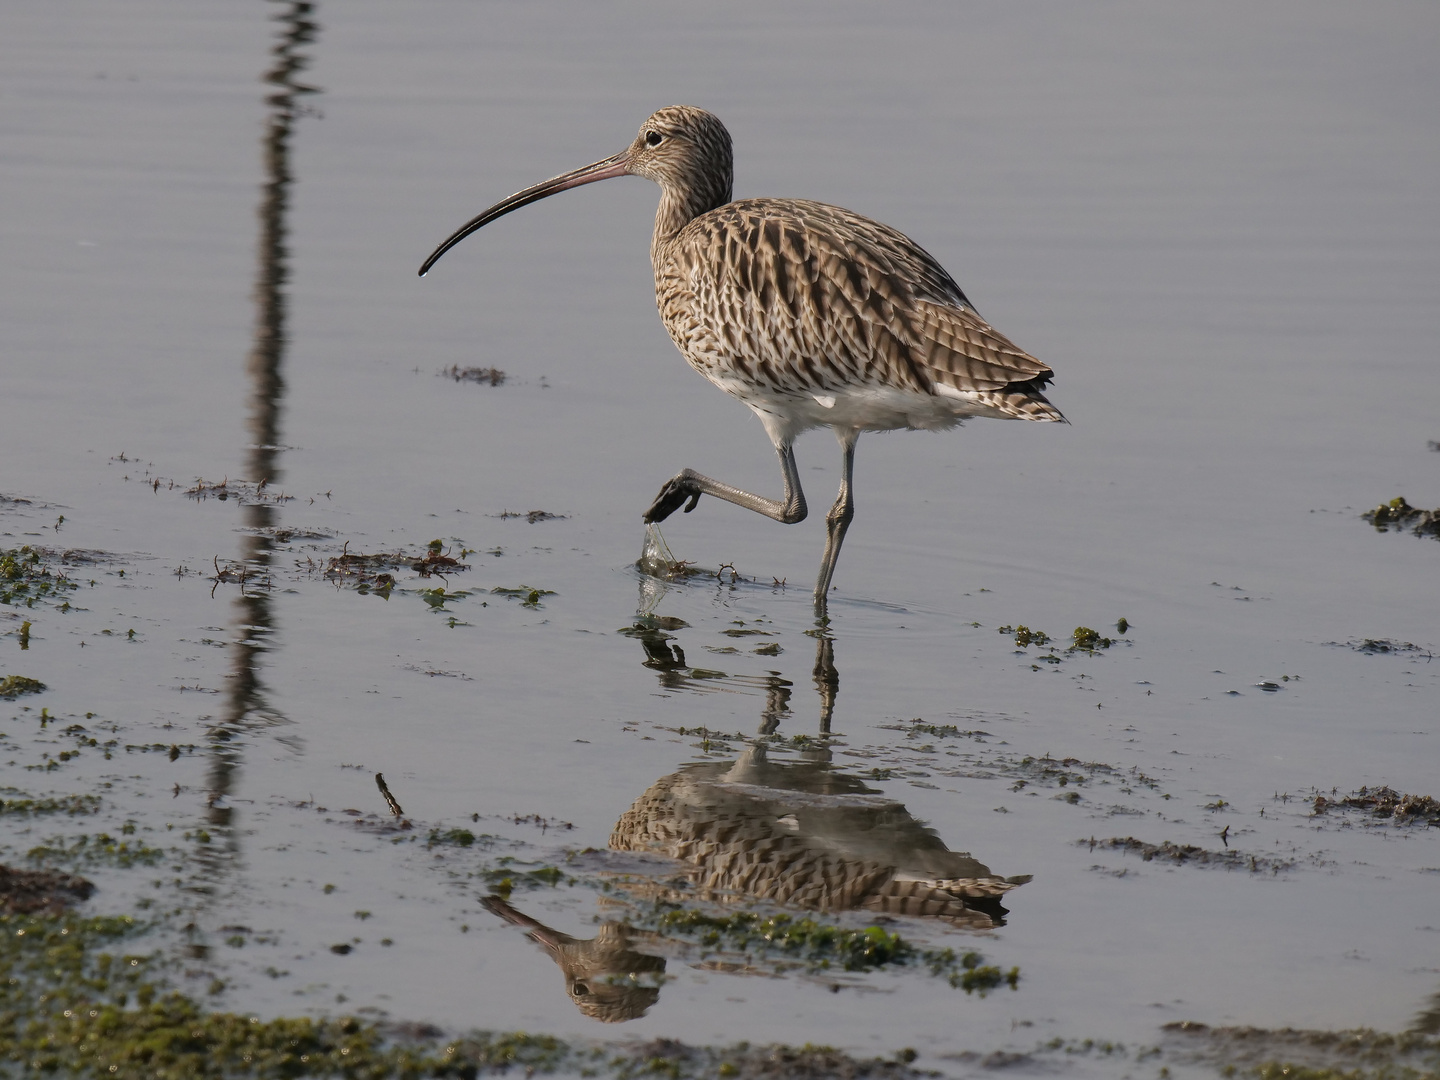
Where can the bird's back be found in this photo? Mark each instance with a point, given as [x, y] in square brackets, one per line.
[836, 319]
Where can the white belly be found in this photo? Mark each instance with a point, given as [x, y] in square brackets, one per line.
[859, 408]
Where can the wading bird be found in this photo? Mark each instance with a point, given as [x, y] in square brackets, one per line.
[809, 314]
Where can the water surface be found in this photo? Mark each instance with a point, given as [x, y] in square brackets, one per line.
[1217, 226]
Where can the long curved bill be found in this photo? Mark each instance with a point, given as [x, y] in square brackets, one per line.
[615, 165]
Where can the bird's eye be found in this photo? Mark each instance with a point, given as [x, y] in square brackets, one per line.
[653, 138]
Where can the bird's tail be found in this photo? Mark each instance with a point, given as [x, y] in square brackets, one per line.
[1026, 405]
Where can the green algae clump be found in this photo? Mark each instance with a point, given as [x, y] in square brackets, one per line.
[1087, 640]
[25, 579]
[12, 686]
[1295, 1054]
[823, 945]
[57, 804]
[65, 1009]
[74, 1004]
[1025, 637]
[1398, 513]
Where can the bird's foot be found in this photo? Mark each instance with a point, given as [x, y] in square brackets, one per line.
[676, 490]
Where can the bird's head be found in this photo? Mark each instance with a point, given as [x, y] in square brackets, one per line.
[686, 151]
[683, 149]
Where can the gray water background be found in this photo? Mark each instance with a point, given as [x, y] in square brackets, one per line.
[1216, 223]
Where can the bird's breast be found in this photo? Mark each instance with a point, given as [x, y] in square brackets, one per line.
[738, 332]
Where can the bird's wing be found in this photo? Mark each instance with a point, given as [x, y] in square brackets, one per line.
[810, 297]
[962, 350]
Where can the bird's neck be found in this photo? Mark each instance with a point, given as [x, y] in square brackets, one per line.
[681, 205]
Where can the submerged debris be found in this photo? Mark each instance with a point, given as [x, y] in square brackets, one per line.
[100, 849]
[657, 560]
[919, 727]
[1357, 1054]
[25, 892]
[1400, 514]
[437, 598]
[243, 491]
[284, 534]
[437, 561]
[345, 564]
[52, 804]
[1047, 771]
[1087, 640]
[1189, 853]
[372, 571]
[1025, 637]
[821, 946]
[1385, 802]
[237, 573]
[12, 686]
[26, 578]
[1373, 646]
[666, 1057]
[454, 837]
[528, 597]
[83, 998]
[490, 376]
[1083, 639]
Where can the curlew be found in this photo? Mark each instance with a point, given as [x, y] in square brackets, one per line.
[809, 314]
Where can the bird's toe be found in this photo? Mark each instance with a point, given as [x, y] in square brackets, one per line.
[675, 492]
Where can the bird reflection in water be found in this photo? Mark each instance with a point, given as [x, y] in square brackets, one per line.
[807, 835]
[675, 672]
[608, 976]
[659, 570]
[797, 833]
[793, 831]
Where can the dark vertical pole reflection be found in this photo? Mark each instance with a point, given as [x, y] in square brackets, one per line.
[247, 704]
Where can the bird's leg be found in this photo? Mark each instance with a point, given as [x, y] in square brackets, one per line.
[690, 485]
[839, 518]
[777, 703]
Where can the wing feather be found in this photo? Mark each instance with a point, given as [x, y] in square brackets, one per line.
[814, 298]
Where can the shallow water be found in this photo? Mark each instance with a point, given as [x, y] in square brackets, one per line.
[1217, 226]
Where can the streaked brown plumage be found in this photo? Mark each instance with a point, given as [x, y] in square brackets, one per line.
[809, 314]
[610, 977]
[797, 833]
[805, 835]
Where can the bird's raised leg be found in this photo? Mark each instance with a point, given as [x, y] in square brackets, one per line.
[839, 518]
[690, 485]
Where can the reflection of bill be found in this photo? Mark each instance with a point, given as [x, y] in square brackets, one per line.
[606, 976]
[803, 834]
